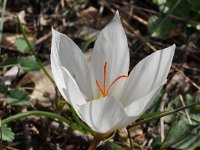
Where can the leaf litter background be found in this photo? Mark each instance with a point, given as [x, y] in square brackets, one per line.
[149, 25]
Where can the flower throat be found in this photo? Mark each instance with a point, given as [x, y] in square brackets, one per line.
[105, 90]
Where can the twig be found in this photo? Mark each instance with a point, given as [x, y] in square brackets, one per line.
[10, 148]
[162, 129]
[43, 38]
[154, 49]
[162, 14]
[129, 137]
[186, 110]
[135, 17]
[149, 45]
[187, 67]
[162, 115]
[186, 77]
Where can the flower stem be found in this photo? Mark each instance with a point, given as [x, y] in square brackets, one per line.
[33, 52]
[94, 143]
[98, 137]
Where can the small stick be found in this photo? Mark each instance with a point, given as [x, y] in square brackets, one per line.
[186, 110]
[162, 124]
[129, 137]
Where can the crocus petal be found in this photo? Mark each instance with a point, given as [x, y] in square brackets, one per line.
[111, 47]
[72, 91]
[67, 85]
[137, 107]
[58, 75]
[67, 53]
[102, 115]
[148, 74]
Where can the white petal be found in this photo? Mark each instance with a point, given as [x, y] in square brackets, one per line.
[72, 91]
[111, 47]
[58, 75]
[65, 82]
[65, 52]
[137, 107]
[148, 74]
[103, 115]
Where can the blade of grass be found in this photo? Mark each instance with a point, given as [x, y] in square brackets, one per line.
[33, 51]
[1, 144]
[1, 23]
[129, 137]
[51, 115]
[175, 5]
[35, 113]
[162, 115]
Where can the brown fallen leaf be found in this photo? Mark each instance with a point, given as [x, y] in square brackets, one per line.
[43, 89]
[9, 40]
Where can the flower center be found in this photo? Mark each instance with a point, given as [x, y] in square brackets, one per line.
[105, 90]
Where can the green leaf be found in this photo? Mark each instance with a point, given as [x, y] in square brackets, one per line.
[22, 46]
[191, 142]
[177, 129]
[10, 61]
[114, 146]
[18, 102]
[178, 8]
[160, 27]
[148, 115]
[197, 108]
[3, 89]
[194, 4]
[18, 97]
[87, 43]
[163, 26]
[170, 118]
[7, 134]
[195, 113]
[29, 64]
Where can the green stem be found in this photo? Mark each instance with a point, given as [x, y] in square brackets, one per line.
[35, 113]
[97, 139]
[1, 23]
[94, 143]
[162, 115]
[129, 137]
[33, 52]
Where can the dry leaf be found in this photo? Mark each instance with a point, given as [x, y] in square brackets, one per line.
[43, 91]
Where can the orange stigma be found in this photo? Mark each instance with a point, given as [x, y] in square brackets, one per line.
[103, 91]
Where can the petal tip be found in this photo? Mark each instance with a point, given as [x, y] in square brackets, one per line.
[117, 12]
[173, 46]
[117, 15]
[54, 32]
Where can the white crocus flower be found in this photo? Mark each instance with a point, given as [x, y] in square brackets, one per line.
[101, 92]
